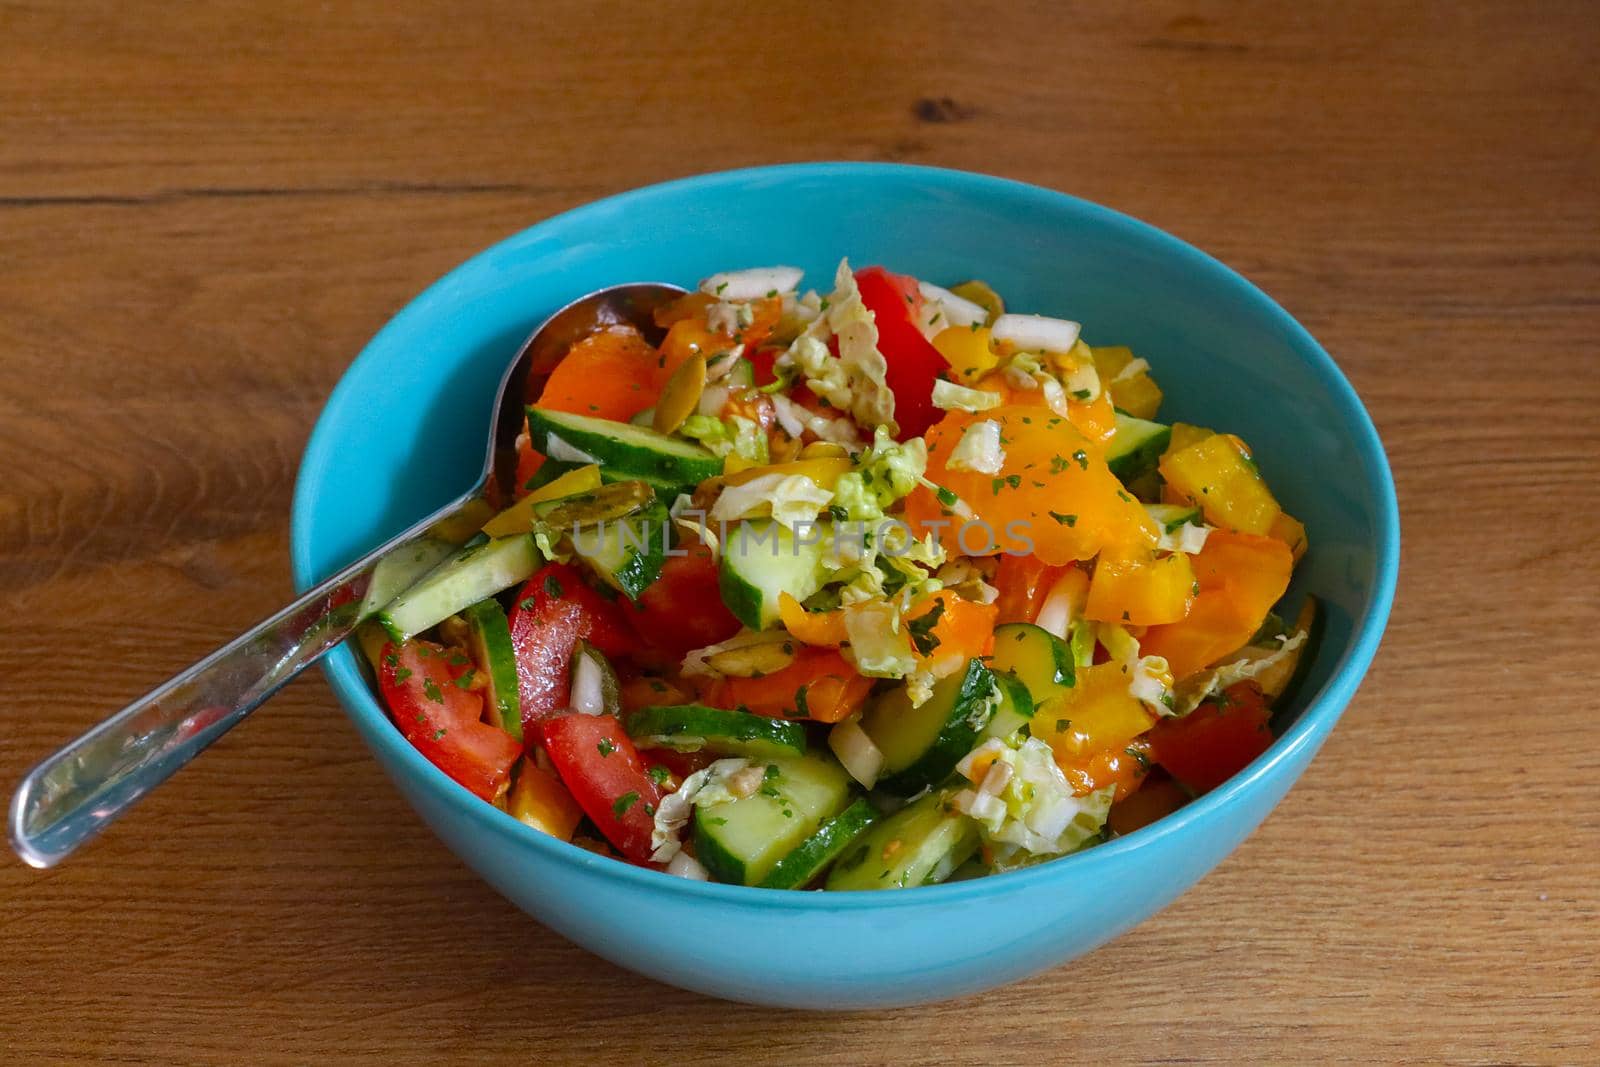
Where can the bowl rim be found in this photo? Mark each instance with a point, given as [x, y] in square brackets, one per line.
[1320, 714]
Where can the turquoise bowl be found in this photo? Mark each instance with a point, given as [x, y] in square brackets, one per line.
[404, 431]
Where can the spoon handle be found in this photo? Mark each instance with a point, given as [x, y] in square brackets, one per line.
[75, 793]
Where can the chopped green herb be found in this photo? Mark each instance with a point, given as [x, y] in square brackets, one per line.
[946, 497]
[1081, 458]
[605, 746]
[430, 689]
[1063, 725]
[923, 639]
[465, 681]
[1065, 520]
[1080, 394]
[627, 800]
[800, 702]
[401, 675]
[659, 774]
[552, 586]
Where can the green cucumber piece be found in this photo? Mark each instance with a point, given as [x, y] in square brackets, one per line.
[922, 745]
[480, 570]
[627, 554]
[1172, 516]
[800, 867]
[637, 450]
[696, 728]
[665, 489]
[1015, 711]
[762, 559]
[1041, 660]
[489, 641]
[921, 844]
[1136, 446]
[743, 840]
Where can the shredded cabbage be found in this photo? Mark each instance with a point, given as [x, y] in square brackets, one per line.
[789, 498]
[855, 380]
[735, 435]
[1193, 690]
[979, 449]
[1024, 805]
[880, 645]
[948, 396]
[703, 787]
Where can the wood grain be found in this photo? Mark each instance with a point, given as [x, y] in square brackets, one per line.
[206, 209]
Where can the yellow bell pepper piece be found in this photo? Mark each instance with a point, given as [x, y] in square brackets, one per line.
[1137, 394]
[542, 802]
[1140, 589]
[372, 638]
[1095, 714]
[1292, 532]
[1219, 476]
[1185, 434]
[968, 352]
[823, 471]
[519, 517]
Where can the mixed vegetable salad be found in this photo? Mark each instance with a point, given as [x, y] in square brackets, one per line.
[871, 588]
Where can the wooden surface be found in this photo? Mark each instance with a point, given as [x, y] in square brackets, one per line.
[206, 210]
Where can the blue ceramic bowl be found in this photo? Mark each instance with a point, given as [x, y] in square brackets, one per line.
[403, 433]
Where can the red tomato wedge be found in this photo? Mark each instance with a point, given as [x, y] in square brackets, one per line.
[554, 611]
[683, 609]
[599, 764]
[913, 363]
[442, 720]
[1216, 740]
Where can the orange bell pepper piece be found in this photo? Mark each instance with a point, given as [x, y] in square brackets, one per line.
[1140, 589]
[822, 628]
[1054, 496]
[820, 684]
[1096, 714]
[964, 630]
[1123, 767]
[1240, 577]
[542, 802]
[611, 374]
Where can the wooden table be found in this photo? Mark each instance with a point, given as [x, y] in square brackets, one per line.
[205, 210]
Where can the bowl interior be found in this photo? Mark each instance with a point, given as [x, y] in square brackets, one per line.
[404, 431]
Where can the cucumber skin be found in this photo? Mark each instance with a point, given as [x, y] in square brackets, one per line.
[684, 464]
[722, 865]
[800, 867]
[743, 597]
[407, 626]
[487, 620]
[666, 490]
[1064, 671]
[738, 733]
[956, 737]
[966, 841]
[1130, 464]
[1012, 691]
[642, 568]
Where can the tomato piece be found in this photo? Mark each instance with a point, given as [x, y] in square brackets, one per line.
[913, 364]
[683, 608]
[599, 765]
[443, 720]
[1217, 740]
[1023, 582]
[678, 765]
[554, 611]
[611, 374]
[820, 684]
[1154, 800]
[762, 361]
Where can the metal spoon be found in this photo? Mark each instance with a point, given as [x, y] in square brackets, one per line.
[72, 795]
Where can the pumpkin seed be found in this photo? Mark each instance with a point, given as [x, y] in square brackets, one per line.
[605, 504]
[681, 395]
[980, 293]
[755, 660]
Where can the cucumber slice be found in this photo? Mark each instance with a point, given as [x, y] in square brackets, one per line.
[1172, 516]
[742, 375]
[922, 745]
[1136, 446]
[489, 641]
[666, 489]
[800, 867]
[695, 728]
[921, 844]
[761, 559]
[627, 553]
[1041, 660]
[477, 572]
[743, 840]
[620, 446]
[1081, 640]
[1015, 711]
